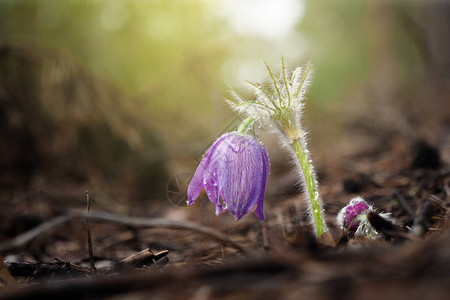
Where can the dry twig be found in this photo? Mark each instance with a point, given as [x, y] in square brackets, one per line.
[88, 229]
[102, 217]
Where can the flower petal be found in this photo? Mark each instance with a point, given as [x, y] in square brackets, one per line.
[240, 180]
[356, 207]
[196, 185]
[210, 182]
[265, 177]
[197, 182]
[350, 214]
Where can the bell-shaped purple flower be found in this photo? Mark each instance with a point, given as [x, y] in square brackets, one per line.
[235, 169]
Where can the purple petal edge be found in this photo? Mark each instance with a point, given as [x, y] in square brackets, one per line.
[196, 185]
[266, 170]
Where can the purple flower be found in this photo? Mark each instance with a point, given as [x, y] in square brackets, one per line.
[235, 169]
[348, 216]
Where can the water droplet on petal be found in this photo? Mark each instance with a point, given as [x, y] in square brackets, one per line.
[236, 147]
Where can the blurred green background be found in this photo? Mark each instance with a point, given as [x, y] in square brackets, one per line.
[123, 94]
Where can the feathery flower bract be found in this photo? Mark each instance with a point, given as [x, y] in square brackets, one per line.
[280, 104]
[235, 169]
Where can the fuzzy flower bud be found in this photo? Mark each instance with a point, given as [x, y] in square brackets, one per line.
[353, 218]
[235, 169]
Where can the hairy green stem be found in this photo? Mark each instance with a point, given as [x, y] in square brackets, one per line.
[244, 125]
[295, 136]
[313, 193]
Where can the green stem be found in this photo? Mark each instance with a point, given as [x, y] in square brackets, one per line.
[308, 174]
[244, 125]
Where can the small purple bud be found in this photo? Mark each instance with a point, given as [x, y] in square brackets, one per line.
[348, 216]
[235, 169]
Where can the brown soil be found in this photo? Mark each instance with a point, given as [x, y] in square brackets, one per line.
[275, 259]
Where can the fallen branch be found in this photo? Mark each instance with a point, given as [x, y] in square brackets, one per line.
[65, 269]
[143, 257]
[25, 238]
[45, 270]
[88, 231]
[259, 273]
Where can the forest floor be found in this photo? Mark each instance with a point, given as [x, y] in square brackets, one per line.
[201, 256]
